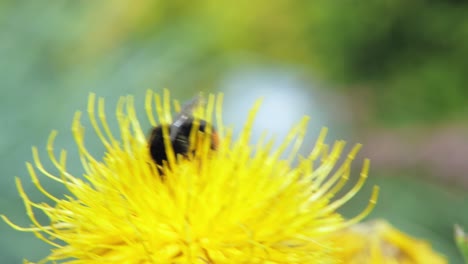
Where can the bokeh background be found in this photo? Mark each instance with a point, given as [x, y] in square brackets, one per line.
[388, 74]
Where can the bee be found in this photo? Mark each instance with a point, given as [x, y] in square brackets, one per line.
[179, 133]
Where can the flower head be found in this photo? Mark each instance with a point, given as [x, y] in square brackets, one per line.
[379, 242]
[238, 203]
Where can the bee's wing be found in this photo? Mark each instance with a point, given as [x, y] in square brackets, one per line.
[185, 114]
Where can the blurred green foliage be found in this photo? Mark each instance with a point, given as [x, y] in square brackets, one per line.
[410, 56]
[462, 242]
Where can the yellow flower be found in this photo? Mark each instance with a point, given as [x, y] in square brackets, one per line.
[240, 203]
[377, 242]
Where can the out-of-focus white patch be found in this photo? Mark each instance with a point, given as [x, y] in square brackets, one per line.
[286, 99]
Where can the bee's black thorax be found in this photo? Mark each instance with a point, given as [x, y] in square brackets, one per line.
[180, 143]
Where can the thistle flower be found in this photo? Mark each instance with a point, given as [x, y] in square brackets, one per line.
[378, 242]
[240, 203]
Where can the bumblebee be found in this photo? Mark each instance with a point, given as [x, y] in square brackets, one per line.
[179, 133]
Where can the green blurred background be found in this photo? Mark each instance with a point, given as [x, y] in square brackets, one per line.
[388, 74]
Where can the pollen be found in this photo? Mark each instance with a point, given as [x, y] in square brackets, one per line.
[238, 203]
